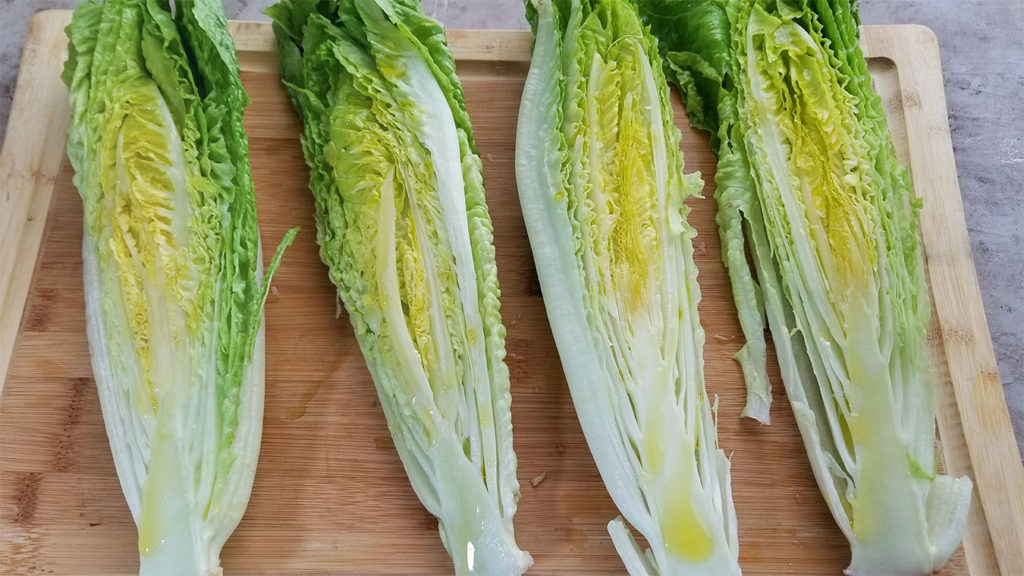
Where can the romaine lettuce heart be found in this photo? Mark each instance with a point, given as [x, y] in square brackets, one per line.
[602, 189]
[809, 183]
[172, 268]
[404, 231]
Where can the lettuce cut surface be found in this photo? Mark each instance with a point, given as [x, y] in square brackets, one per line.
[811, 192]
[404, 230]
[172, 262]
[602, 190]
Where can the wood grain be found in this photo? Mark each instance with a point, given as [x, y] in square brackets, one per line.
[29, 163]
[330, 494]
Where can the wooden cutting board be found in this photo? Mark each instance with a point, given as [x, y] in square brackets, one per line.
[330, 494]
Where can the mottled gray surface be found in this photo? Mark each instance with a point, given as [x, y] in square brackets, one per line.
[983, 61]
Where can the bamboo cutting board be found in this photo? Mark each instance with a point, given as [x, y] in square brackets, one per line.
[330, 494]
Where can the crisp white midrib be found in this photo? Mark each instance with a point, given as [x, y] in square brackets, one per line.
[646, 336]
[618, 381]
[605, 325]
[438, 134]
[811, 277]
[442, 342]
[203, 409]
[603, 317]
[669, 258]
[676, 342]
[207, 406]
[170, 366]
[637, 563]
[795, 387]
[403, 349]
[114, 400]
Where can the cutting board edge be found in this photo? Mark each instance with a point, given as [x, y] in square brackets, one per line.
[28, 170]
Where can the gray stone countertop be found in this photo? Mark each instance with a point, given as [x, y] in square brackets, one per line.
[982, 43]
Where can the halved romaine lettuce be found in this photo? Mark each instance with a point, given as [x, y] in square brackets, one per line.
[404, 230]
[809, 184]
[171, 253]
[602, 189]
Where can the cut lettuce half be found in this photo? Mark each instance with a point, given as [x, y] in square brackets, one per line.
[603, 192]
[811, 191]
[172, 267]
[404, 230]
